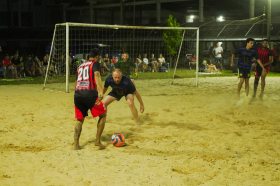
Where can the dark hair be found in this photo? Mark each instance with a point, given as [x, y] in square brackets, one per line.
[265, 39]
[249, 39]
[94, 53]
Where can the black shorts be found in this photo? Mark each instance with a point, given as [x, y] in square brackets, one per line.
[244, 73]
[84, 103]
[117, 96]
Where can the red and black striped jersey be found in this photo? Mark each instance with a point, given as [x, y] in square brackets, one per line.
[263, 54]
[85, 80]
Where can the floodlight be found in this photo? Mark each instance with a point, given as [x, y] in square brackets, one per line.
[220, 19]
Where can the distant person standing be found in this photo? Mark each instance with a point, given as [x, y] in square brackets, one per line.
[88, 95]
[266, 59]
[107, 62]
[125, 64]
[217, 52]
[246, 57]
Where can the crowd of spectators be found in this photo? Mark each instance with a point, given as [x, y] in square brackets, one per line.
[17, 65]
[127, 64]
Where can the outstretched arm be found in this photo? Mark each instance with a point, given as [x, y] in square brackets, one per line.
[139, 98]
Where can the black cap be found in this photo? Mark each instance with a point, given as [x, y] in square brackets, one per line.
[94, 53]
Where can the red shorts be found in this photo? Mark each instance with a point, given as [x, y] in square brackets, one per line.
[97, 109]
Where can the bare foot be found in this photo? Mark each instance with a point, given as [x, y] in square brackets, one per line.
[138, 122]
[77, 147]
[100, 145]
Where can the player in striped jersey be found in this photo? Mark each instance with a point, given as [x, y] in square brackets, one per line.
[266, 58]
[88, 95]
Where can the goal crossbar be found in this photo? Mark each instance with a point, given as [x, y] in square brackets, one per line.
[124, 26]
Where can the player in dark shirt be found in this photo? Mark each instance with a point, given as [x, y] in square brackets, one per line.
[266, 58]
[122, 86]
[88, 93]
[246, 57]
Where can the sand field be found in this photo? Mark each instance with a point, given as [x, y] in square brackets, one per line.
[189, 136]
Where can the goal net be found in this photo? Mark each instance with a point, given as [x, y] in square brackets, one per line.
[145, 46]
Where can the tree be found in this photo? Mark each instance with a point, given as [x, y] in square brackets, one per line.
[172, 38]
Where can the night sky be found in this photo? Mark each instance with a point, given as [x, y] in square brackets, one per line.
[230, 9]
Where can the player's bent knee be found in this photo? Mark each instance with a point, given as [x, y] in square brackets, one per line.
[130, 102]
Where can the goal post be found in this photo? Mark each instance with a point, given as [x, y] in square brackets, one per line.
[72, 42]
[196, 53]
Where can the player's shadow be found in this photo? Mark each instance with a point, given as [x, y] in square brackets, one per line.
[106, 139]
[92, 141]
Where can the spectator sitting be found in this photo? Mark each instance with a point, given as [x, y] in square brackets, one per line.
[154, 63]
[163, 66]
[114, 61]
[210, 68]
[29, 66]
[45, 62]
[17, 61]
[138, 64]
[38, 66]
[8, 68]
[145, 63]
